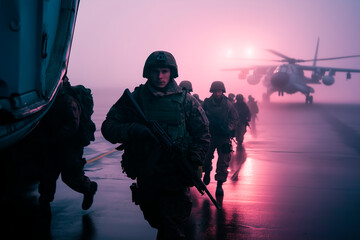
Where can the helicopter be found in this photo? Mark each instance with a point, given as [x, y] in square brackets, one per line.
[289, 77]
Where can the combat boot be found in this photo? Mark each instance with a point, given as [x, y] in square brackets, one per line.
[206, 178]
[89, 197]
[219, 190]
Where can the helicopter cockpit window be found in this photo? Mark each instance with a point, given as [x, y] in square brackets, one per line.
[281, 68]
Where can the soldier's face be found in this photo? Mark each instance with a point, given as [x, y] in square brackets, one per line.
[160, 77]
[217, 93]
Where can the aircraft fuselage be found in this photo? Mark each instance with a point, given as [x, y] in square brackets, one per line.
[288, 78]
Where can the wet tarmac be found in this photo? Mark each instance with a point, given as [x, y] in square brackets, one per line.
[298, 177]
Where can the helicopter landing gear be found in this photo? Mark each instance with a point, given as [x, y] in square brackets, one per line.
[309, 99]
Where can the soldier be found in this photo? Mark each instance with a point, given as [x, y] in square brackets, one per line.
[244, 118]
[163, 191]
[223, 119]
[186, 85]
[254, 110]
[197, 98]
[231, 97]
[60, 130]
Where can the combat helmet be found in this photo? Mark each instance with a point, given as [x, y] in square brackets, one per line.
[186, 85]
[239, 98]
[217, 85]
[231, 97]
[160, 59]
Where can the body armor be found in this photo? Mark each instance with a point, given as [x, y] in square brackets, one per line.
[168, 111]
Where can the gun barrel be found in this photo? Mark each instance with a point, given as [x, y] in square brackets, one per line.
[166, 140]
[212, 199]
[200, 186]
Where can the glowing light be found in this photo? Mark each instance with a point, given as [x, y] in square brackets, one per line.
[249, 52]
[229, 53]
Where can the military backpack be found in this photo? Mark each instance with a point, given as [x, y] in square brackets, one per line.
[87, 126]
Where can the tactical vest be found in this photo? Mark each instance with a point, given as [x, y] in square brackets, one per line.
[218, 115]
[217, 111]
[168, 111]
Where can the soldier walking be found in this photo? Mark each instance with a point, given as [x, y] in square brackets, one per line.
[254, 110]
[223, 119]
[244, 119]
[63, 148]
[162, 190]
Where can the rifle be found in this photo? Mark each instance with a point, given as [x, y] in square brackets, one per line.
[167, 142]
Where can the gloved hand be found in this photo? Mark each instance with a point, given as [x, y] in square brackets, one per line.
[139, 132]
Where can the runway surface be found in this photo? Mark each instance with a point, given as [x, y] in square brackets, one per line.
[298, 178]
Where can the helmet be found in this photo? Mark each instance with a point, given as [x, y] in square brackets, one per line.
[186, 85]
[160, 59]
[239, 98]
[217, 85]
[231, 96]
[251, 98]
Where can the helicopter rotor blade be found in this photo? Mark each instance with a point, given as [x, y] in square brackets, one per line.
[332, 58]
[258, 59]
[285, 58]
[293, 60]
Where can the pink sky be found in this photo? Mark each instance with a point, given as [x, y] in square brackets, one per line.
[113, 38]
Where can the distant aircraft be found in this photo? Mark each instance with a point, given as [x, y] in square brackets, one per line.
[289, 77]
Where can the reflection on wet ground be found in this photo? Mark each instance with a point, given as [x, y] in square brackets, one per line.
[297, 178]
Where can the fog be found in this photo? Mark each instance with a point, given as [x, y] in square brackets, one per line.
[113, 39]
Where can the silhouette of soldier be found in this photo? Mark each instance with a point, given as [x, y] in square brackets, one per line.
[197, 98]
[161, 190]
[231, 97]
[223, 119]
[254, 110]
[186, 85]
[244, 118]
[63, 149]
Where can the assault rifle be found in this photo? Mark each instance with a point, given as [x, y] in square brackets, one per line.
[167, 142]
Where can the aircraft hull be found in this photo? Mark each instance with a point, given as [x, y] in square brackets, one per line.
[36, 39]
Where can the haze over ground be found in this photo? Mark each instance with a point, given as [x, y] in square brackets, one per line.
[113, 38]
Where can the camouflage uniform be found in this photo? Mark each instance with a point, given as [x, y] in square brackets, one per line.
[163, 190]
[223, 119]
